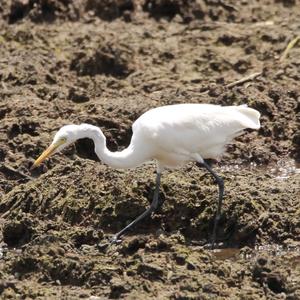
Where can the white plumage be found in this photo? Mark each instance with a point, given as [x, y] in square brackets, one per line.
[172, 135]
[178, 133]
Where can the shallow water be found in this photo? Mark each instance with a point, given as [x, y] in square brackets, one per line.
[282, 170]
[226, 253]
[263, 250]
[285, 168]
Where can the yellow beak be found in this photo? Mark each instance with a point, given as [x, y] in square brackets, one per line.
[47, 153]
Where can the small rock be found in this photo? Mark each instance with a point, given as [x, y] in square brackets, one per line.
[78, 95]
[190, 266]
[118, 288]
[262, 261]
[16, 233]
[150, 271]
[179, 258]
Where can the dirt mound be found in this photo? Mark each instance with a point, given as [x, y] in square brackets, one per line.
[110, 206]
[108, 10]
[188, 10]
[51, 10]
[111, 9]
[42, 10]
[103, 57]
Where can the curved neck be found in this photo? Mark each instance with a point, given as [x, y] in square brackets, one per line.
[130, 157]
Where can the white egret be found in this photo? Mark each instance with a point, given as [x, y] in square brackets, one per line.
[172, 135]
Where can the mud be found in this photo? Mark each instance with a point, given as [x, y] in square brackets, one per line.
[105, 63]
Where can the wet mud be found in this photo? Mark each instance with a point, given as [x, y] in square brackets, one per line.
[105, 63]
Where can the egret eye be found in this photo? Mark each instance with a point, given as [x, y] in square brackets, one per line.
[63, 140]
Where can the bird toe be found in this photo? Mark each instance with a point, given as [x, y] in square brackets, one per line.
[115, 240]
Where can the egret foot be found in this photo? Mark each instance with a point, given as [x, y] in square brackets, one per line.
[102, 247]
[213, 246]
[115, 240]
[105, 245]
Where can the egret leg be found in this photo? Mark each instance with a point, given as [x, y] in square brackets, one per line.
[220, 183]
[151, 209]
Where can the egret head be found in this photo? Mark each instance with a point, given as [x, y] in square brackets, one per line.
[64, 137]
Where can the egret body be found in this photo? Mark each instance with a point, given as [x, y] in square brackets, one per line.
[172, 135]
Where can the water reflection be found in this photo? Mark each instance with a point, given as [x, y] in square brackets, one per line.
[272, 250]
[282, 170]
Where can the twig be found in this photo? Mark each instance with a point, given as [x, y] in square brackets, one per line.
[290, 45]
[228, 6]
[238, 82]
[17, 172]
[245, 79]
[4, 86]
[205, 92]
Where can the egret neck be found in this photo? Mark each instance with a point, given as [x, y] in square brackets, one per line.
[130, 157]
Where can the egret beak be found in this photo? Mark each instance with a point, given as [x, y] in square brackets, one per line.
[47, 153]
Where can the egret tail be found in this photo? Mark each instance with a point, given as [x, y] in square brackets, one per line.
[250, 116]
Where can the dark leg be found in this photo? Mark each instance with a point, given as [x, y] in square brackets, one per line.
[151, 209]
[220, 183]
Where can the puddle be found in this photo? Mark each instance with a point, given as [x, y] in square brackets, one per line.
[234, 254]
[285, 169]
[4, 250]
[282, 170]
[227, 253]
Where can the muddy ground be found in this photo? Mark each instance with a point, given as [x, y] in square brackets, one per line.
[105, 63]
